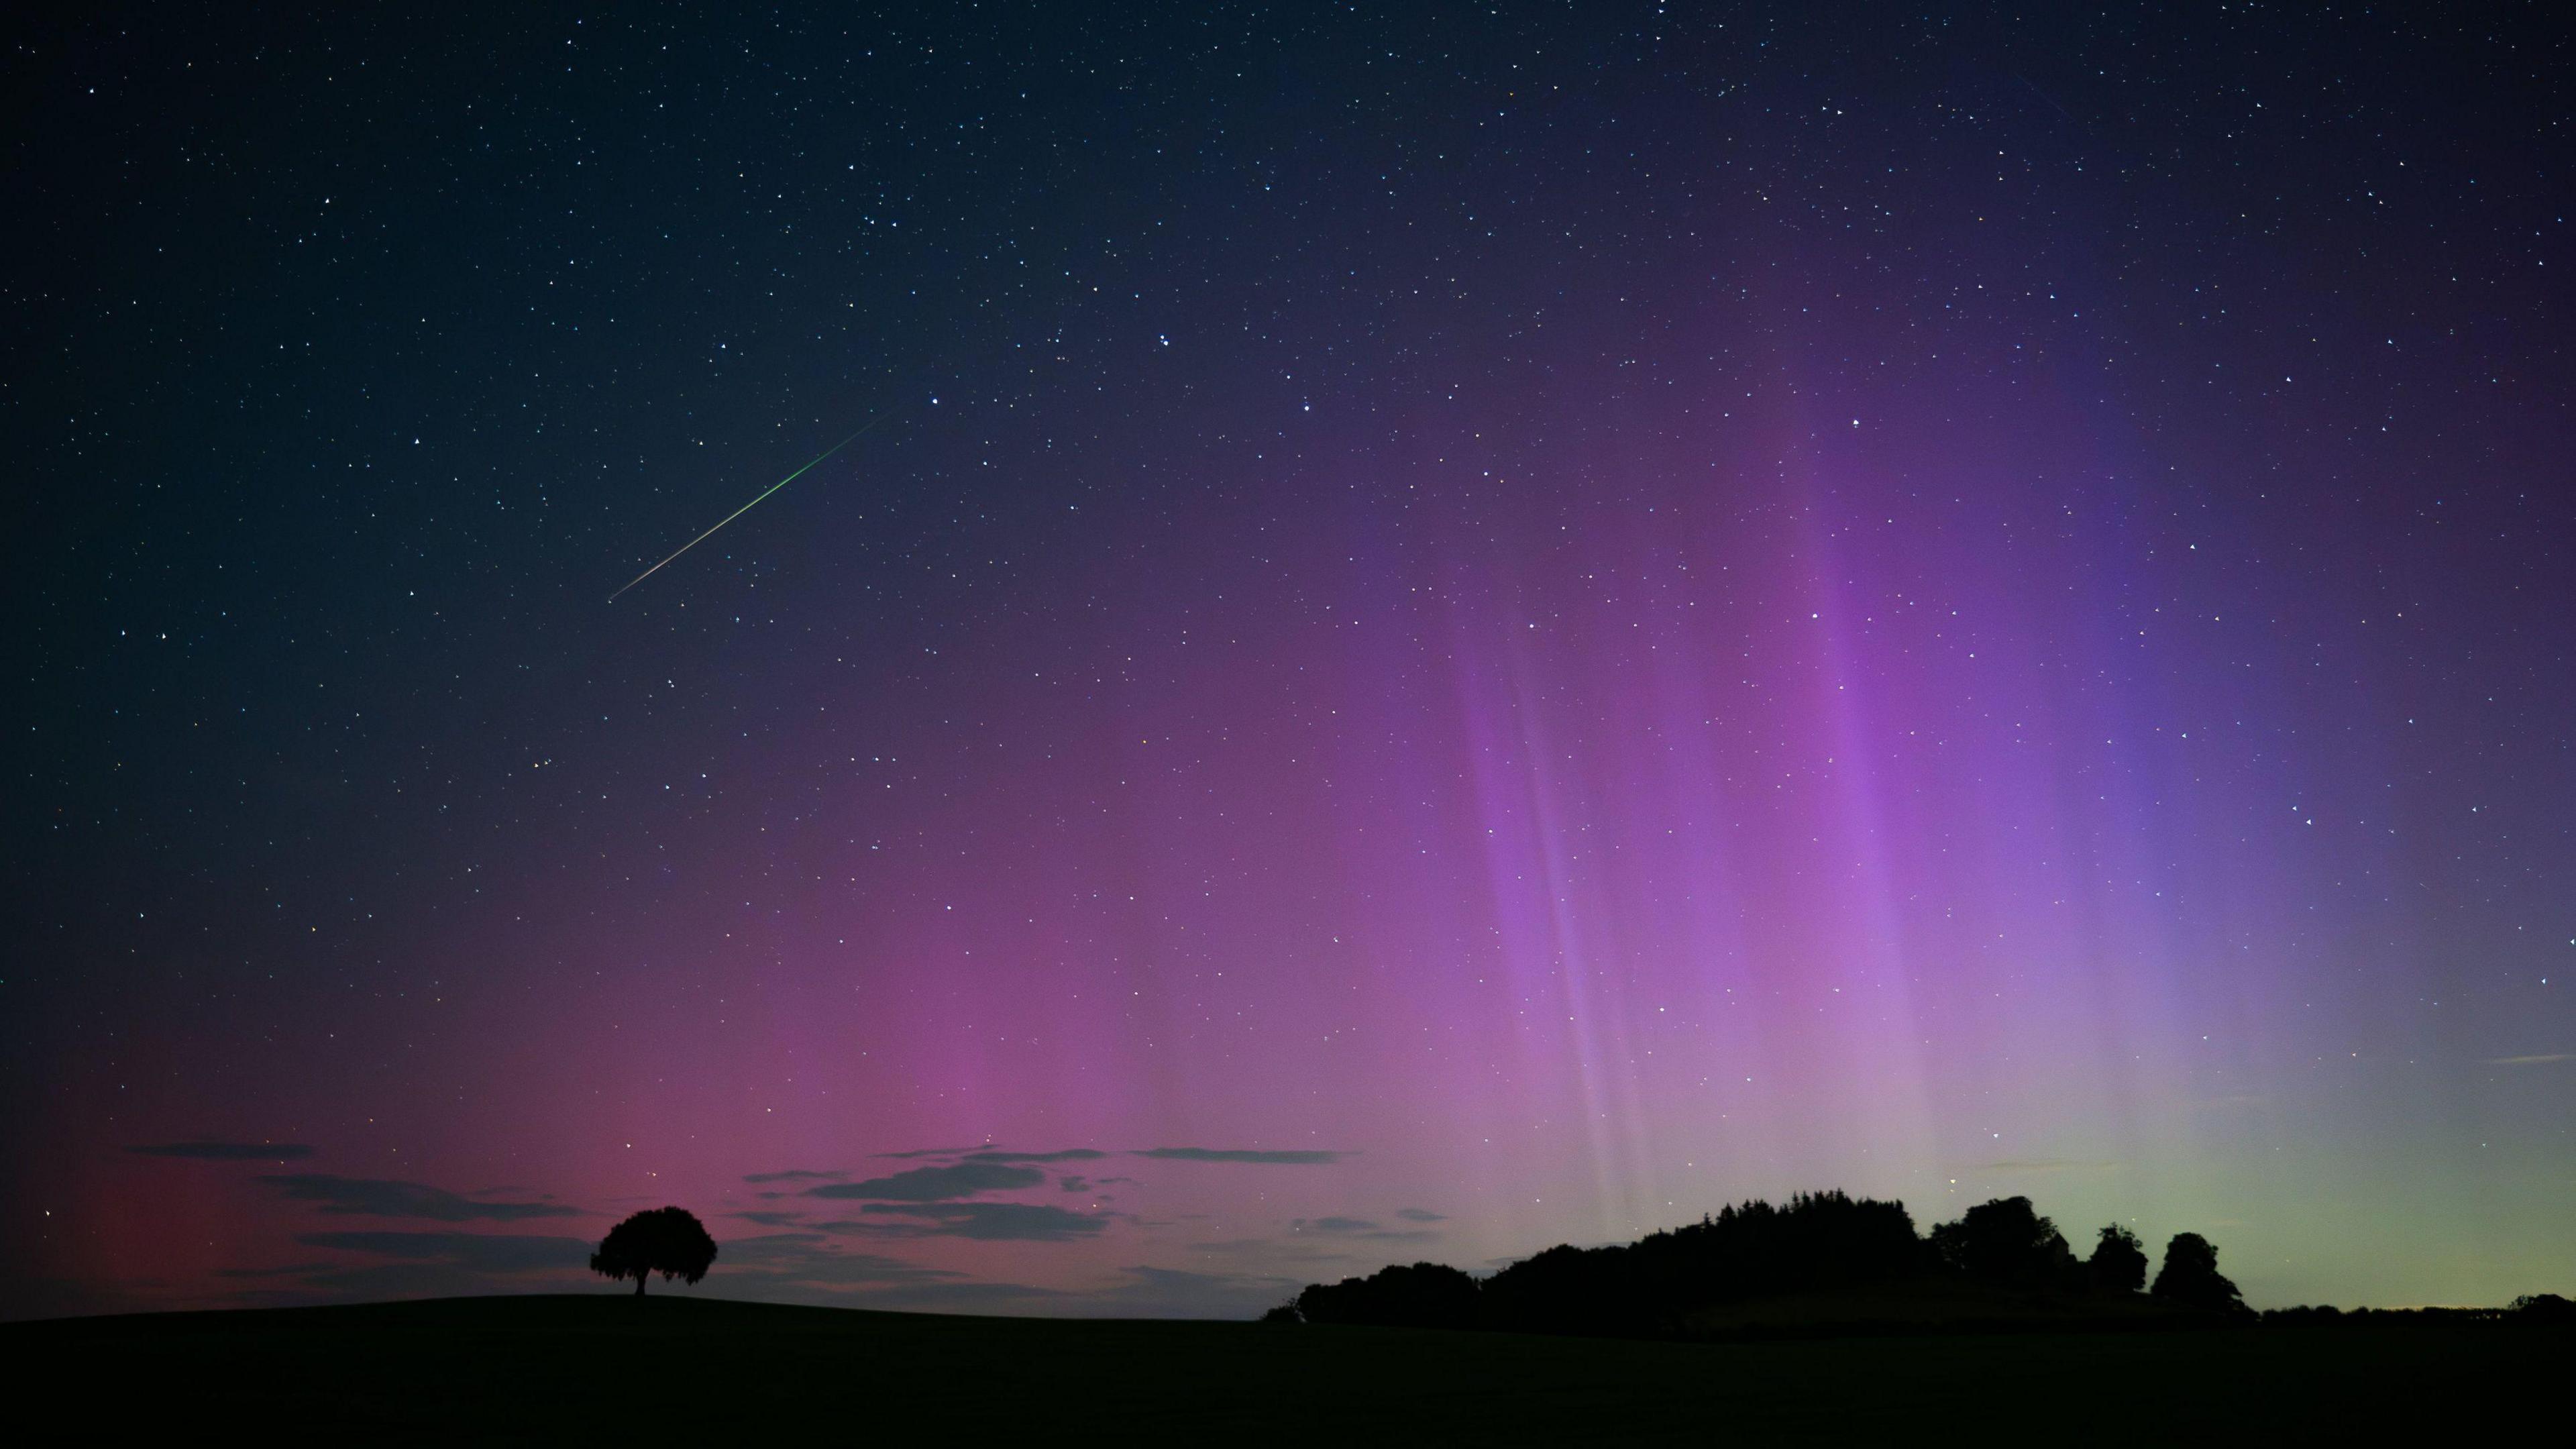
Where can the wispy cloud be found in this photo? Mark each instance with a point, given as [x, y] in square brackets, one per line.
[283, 1270]
[480, 1252]
[936, 1184]
[2541, 1060]
[1361, 1228]
[1012, 1222]
[795, 1174]
[1241, 1154]
[378, 1197]
[813, 1260]
[1069, 1154]
[1298, 1248]
[227, 1151]
[1420, 1215]
[411, 1264]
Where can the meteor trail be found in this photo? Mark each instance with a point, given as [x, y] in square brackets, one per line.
[746, 508]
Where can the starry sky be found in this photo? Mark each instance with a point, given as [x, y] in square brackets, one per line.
[1458, 627]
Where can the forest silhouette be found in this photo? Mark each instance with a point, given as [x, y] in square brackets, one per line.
[1999, 1264]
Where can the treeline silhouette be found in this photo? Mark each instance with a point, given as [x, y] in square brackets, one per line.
[2000, 1261]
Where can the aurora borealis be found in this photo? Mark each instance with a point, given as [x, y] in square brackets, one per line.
[1478, 627]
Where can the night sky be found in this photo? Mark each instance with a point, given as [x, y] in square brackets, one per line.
[1459, 628]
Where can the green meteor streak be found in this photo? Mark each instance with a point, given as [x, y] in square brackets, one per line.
[746, 508]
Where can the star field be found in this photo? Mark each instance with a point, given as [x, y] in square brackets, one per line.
[1468, 627]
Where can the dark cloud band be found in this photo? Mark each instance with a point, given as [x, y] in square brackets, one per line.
[378, 1197]
[227, 1151]
[1242, 1154]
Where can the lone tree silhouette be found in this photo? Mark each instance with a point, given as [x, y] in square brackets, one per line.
[2191, 1278]
[666, 1240]
[2119, 1261]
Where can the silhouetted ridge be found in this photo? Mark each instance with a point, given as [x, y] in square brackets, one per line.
[2000, 1261]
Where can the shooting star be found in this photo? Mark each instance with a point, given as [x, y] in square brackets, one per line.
[746, 508]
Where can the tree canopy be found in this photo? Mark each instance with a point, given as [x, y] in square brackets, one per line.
[2005, 1241]
[1425, 1295]
[665, 1240]
[2190, 1276]
[2000, 1258]
[1829, 1258]
[2119, 1261]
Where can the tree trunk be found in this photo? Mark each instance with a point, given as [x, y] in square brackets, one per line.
[639, 1283]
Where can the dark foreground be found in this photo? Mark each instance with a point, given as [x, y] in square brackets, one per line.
[659, 1369]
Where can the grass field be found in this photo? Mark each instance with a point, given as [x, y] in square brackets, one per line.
[672, 1368]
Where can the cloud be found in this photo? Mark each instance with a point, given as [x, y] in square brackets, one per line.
[377, 1197]
[227, 1151]
[364, 1282]
[1075, 1184]
[1069, 1154]
[811, 1260]
[936, 1184]
[1420, 1215]
[1241, 1154]
[395, 1264]
[1359, 1228]
[476, 1252]
[795, 1174]
[1310, 1250]
[769, 1220]
[2542, 1059]
[287, 1270]
[992, 1222]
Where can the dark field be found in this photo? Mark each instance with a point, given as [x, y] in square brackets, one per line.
[675, 1368]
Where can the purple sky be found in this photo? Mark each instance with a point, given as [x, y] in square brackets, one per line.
[1467, 632]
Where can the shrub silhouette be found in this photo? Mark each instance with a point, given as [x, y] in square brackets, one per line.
[665, 1240]
[2119, 1261]
[2190, 1277]
[2006, 1241]
[2544, 1308]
